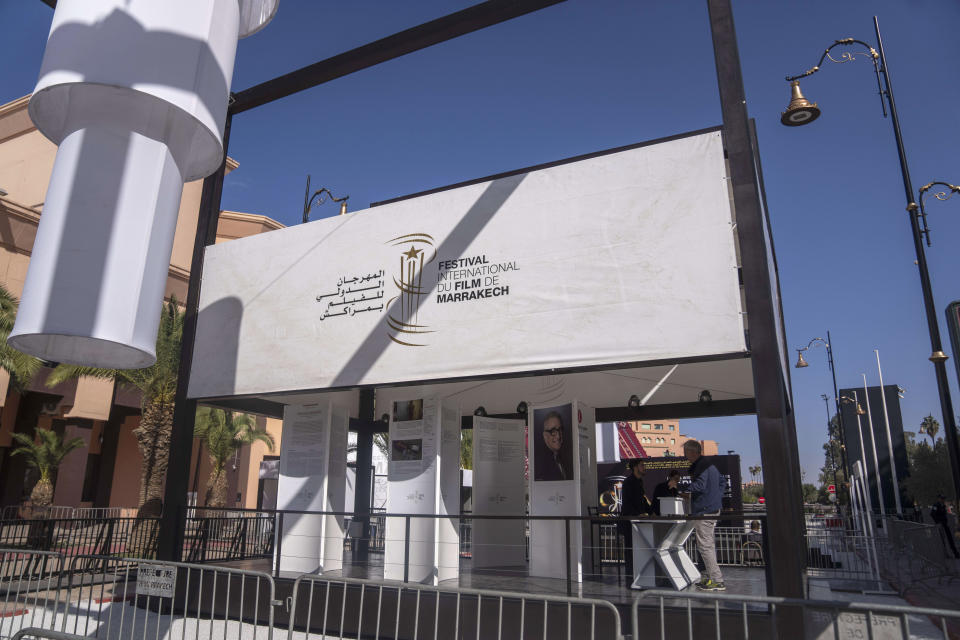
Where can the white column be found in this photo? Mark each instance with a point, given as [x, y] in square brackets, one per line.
[312, 476]
[135, 95]
[424, 480]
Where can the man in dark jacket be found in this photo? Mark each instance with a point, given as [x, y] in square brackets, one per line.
[938, 513]
[706, 493]
[633, 502]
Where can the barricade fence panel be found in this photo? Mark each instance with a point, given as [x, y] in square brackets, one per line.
[35, 633]
[114, 597]
[323, 608]
[30, 584]
[701, 616]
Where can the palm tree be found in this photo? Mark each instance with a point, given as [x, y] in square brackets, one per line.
[20, 366]
[931, 427]
[45, 455]
[157, 385]
[223, 434]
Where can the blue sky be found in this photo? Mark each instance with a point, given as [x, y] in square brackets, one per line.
[592, 74]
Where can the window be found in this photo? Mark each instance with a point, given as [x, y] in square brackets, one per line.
[673, 427]
[658, 427]
[645, 426]
[673, 441]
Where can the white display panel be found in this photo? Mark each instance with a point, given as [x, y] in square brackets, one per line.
[312, 476]
[498, 489]
[553, 450]
[626, 257]
[423, 453]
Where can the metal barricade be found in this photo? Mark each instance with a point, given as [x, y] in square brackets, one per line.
[700, 616]
[319, 609]
[47, 634]
[841, 554]
[108, 597]
[29, 589]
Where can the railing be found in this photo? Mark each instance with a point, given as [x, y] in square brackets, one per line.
[30, 512]
[700, 616]
[73, 536]
[222, 536]
[600, 544]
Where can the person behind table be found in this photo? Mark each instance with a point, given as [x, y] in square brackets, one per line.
[550, 459]
[666, 489]
[706, 492]
[939, 515]
[633, 502]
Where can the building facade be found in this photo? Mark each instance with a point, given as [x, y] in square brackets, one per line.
[663, 438]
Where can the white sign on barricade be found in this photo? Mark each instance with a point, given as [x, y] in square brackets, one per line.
[156, 580]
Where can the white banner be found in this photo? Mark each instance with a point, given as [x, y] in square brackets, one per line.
[498, 489]
[625, 257]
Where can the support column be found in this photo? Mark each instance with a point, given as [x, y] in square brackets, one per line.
[362, 488]
[170, 544]
[785, 526]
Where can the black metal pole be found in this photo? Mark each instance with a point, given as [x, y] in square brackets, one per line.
[170, 544]
[786, 560]
[833, 460]
[843, 435]
[363, 485]
[937, 357]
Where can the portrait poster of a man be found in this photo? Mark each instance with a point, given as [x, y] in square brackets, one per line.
[553, 442]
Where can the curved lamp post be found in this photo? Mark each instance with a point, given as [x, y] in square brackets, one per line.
[800, 112]
[801, 363]
[308, 200]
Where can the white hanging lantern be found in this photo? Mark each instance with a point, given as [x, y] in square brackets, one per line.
[135, 95]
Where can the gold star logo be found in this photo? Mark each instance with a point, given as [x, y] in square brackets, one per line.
[412, 253]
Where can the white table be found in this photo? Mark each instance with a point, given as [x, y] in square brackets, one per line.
[658, 553]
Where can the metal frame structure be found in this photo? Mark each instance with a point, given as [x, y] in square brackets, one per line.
[772, 404]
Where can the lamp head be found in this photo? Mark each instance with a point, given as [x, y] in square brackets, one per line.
[800, 111]
[480, 412]
[522, 408]
[801, 363]
[705, 397]
[634, 402]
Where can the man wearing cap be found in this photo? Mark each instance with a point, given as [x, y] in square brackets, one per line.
[938, 512]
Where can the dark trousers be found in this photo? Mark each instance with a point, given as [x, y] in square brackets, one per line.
[949, 535]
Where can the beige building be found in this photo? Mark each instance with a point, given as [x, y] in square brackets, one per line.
[663, 438]
[106, 472]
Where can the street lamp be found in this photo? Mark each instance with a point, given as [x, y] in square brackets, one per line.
[308, 200]
[802, 112]
[833, 460]
[855, 401]
[801, 363]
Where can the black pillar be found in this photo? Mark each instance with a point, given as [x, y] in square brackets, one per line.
[785, 526]
[361, 494]
[181, 437]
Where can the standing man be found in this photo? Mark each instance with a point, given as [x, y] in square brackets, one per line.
[633, 502]
[706, 491]
[940, 516]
